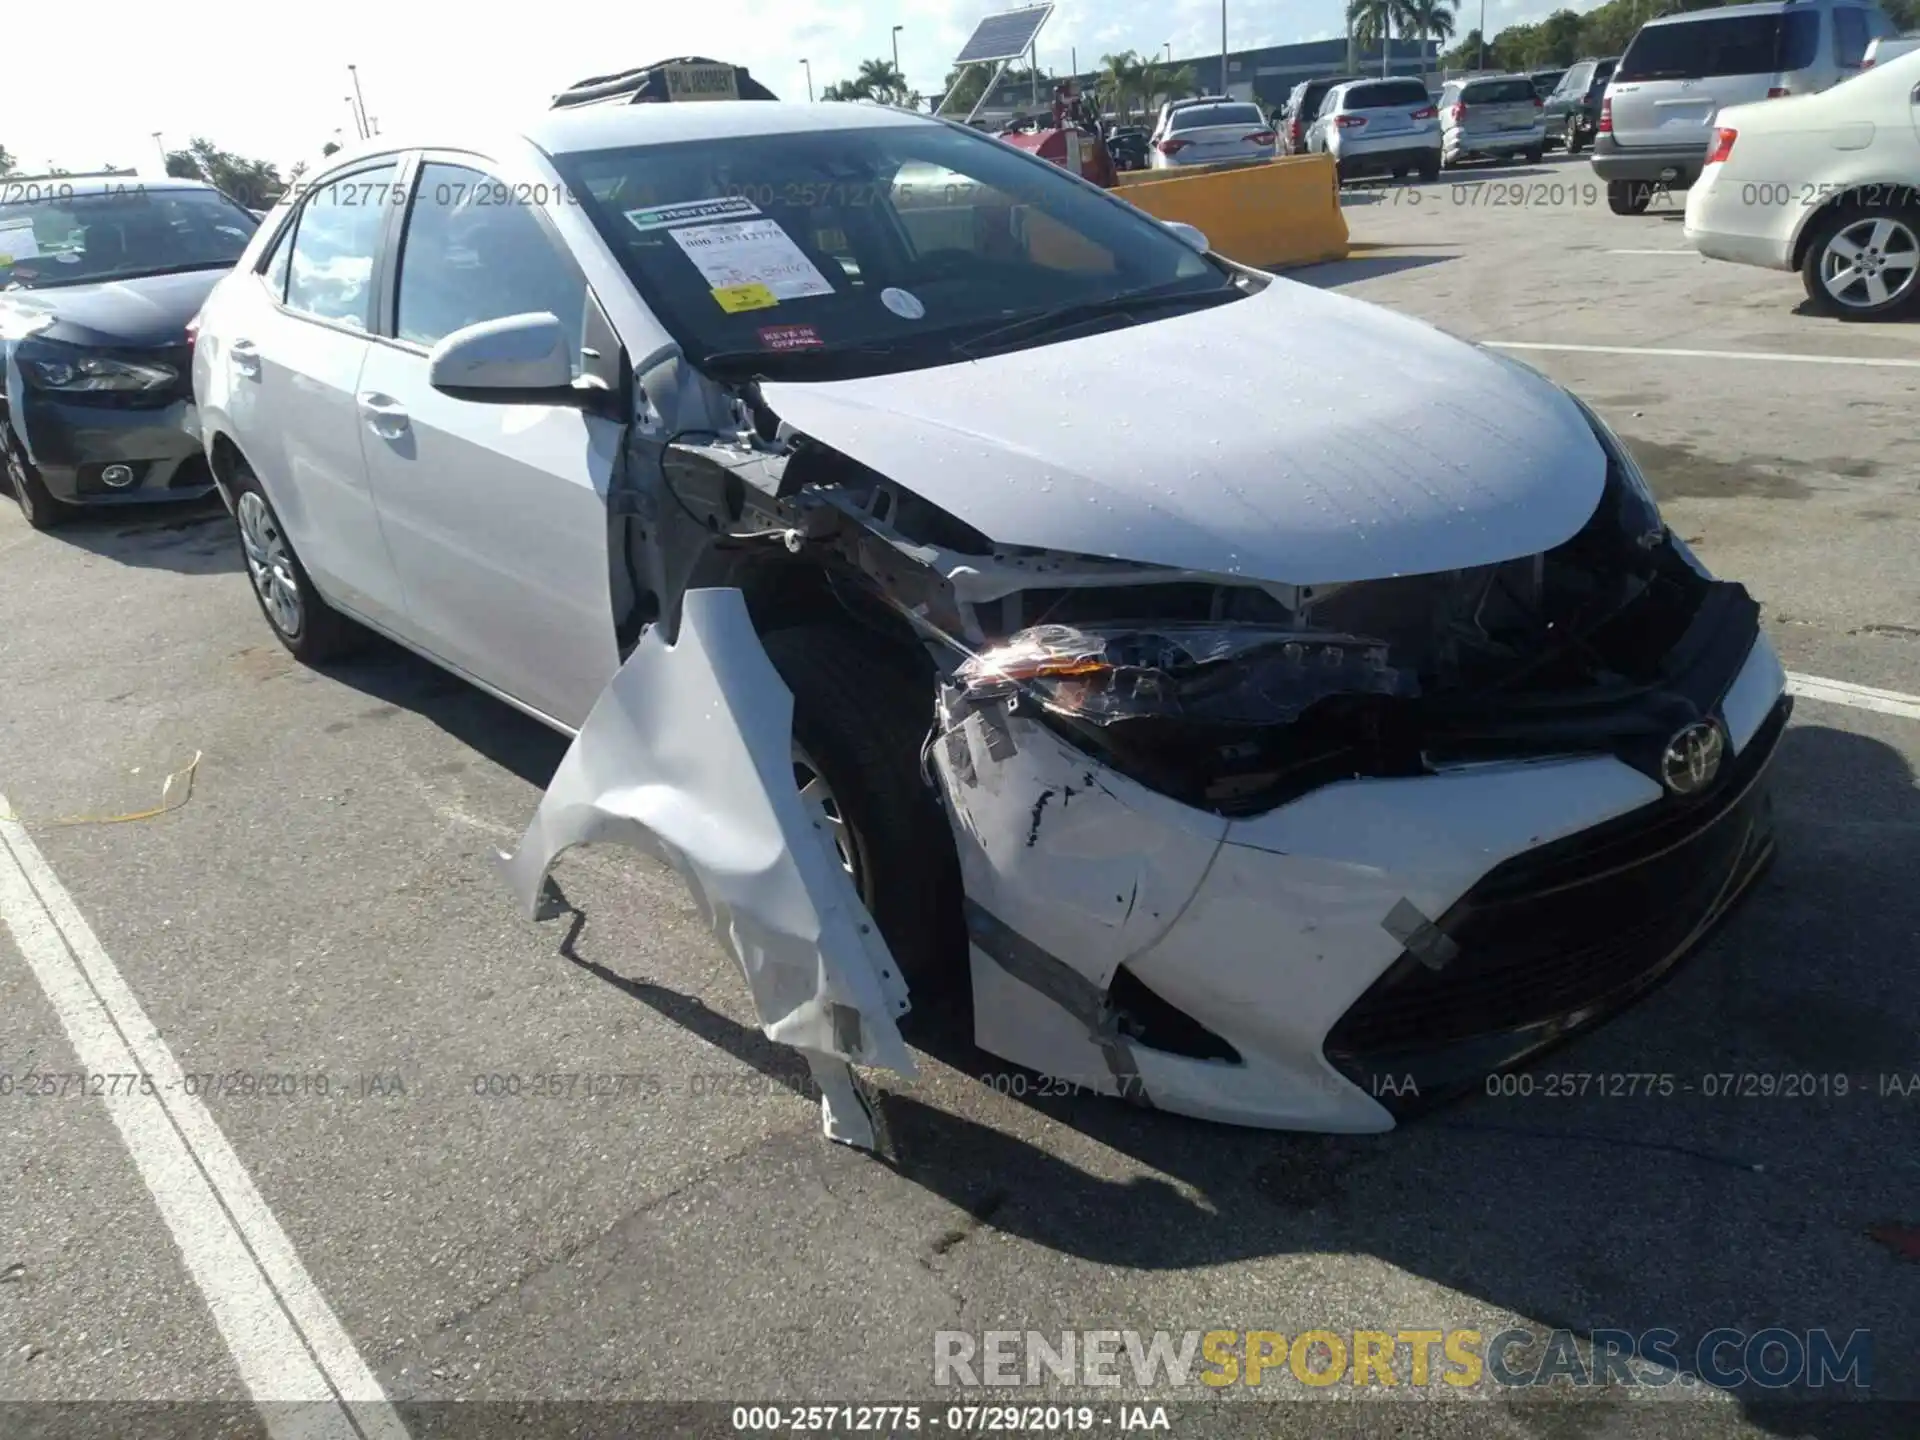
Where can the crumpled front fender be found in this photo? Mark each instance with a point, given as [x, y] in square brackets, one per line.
[687, 756]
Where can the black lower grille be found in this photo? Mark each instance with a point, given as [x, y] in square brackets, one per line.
[1561, 935]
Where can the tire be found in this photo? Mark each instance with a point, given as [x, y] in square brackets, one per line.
[1629, 197]
[312, 630]
[861, 725]
[1879, 234]
[1430, 170]
[1573, 143]
[1535, 155]
[42, 511]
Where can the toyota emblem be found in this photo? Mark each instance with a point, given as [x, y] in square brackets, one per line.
[1692, 758]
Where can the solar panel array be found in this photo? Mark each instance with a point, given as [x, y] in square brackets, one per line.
[1003, 37]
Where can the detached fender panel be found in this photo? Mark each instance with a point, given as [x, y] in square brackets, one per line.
[687, 756]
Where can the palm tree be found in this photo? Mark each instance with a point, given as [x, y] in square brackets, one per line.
[6, 161]
[1119, 83]
[1430, 20]
[882, 81]
[1372, 23]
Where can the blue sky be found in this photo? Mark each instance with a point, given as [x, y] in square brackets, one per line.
[272, 83]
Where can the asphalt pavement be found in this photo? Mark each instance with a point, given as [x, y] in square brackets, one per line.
[556, 1163]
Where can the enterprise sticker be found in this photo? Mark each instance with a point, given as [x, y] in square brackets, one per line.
[659, 217]
[751, 252]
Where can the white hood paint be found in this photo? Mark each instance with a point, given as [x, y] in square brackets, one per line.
[1294, 436]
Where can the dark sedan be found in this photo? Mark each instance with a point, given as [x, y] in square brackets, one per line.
[99, 279]
[1573, 109]
[1128, 147]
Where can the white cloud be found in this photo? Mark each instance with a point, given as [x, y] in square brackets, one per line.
[273, 84]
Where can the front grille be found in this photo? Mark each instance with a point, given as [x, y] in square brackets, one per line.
[1559, 935]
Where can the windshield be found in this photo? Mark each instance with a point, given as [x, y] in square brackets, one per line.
[1200, 116]
[1729, 45]
[1386, 94]
[868, 250]
[51, 234]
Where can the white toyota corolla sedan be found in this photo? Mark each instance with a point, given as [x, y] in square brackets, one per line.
[1826, 184]
[1326, 750]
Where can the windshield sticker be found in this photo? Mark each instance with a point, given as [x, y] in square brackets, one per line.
[752, 252]
[17, 241]
[735, 298]
[789, 337]
[903, 303]
[659, 217]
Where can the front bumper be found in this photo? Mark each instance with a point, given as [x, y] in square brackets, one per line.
[1720, 227]
[1279, 970]
[72, 442]
[1675, 166]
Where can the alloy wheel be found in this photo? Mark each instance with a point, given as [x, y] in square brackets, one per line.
[829, 820]
[1870, 263]
[270, 564]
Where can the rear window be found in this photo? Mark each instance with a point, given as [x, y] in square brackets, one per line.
[1499, 92]
[1729, 45]
[1386, 94]
[1196, 117]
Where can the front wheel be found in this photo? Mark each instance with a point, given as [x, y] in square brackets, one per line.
[1864, 263]
[1573, 142]
[1629, 197]
[858, 725]
[42, 511]
[312, 630]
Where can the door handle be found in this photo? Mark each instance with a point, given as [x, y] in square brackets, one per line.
[384, 415]
[246, 358]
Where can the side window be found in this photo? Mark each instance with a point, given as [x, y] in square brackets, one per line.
[474, 252]
[274, 276]
[336, 240]
[1849, 37]
[1576, 80]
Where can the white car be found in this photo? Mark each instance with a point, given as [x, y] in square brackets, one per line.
[1889, 47]
[1359, 735]
[1826, 184]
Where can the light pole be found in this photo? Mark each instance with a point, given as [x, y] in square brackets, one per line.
[162, 149]
[1169, 52]
[806, 65]
[1481, 63]
[365, 130]
[896, 48]
[358, 128]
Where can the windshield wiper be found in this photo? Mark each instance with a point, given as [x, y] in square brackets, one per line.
[752, 364]
[1062, 317]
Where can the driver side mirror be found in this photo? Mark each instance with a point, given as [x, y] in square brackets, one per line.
[1193, 237]
[517, 359]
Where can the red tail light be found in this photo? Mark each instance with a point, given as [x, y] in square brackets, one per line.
[1458, 113]
[1778, 92]
[1294, 131]
[1259, 137]
[1538, 103]
[1866, 64]
[193, 332]
[1426, 114]
[1722, 146]
[1606, 116]
[1172, 147]
[1350, 122]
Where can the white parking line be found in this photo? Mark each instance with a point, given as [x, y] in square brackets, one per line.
[297, 1362]
[1868, 360]
[1860, 697]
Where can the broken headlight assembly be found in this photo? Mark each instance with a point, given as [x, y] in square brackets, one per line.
[1228, 718]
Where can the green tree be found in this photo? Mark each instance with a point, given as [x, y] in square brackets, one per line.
[1119, 82]
[332, 147]
[254, 183]
[881, 80]
[1430, 20]
[7, 164]
[1373, 23]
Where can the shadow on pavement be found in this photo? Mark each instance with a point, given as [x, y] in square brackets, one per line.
[1335, 273]
[1746, 1208]
[192, 537]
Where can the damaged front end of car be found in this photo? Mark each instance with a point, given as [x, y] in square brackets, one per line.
[1272, 854]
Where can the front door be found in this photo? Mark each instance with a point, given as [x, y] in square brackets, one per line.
[496, 513]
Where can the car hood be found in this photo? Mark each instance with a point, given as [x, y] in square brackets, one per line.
[146, 310]
[1293, 436]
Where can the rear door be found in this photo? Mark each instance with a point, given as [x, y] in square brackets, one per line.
[1678, 75]
[496, 514]
[1499, 108]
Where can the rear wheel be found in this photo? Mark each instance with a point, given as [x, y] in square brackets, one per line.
[1864, 263]
[43, 512]
[1535, 155]
[1430, 169]
[1573, 142]
[858, 725]
[312, 630]
[1629, 197]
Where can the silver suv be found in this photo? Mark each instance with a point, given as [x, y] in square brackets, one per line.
[1678, 73]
